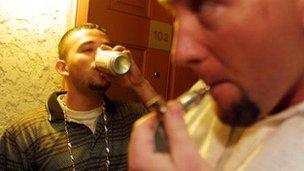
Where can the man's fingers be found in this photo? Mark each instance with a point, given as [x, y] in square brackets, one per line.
[115, 48]
[141, 143]
[105, 47]
[177, 133]
[119, 48]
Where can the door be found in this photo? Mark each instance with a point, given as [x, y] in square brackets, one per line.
[145, 28]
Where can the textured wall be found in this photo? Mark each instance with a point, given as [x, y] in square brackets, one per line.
[29, 33]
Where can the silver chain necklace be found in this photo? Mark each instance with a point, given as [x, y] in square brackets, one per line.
[69, 145]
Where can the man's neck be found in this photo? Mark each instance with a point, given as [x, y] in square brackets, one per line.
[83, 102]
[293, 97]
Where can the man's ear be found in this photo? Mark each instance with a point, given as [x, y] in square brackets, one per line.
[62, 68]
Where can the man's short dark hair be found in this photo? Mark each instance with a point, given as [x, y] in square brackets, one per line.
[62, 42]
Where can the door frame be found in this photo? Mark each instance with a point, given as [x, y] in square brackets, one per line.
[82, 12]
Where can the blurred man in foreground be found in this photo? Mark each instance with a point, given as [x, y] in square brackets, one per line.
[251, 54]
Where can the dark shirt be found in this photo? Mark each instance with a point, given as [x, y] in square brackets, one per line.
[38, 141]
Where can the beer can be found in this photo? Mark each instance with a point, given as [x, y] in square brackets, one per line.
[112, 62]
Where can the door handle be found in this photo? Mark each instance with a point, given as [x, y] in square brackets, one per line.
[156, 74]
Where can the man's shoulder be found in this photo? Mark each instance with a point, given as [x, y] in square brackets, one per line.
[294, 122]
[284, 145]
[28, 119]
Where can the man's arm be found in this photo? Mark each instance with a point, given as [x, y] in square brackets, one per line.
[11, 157]
[133, 79]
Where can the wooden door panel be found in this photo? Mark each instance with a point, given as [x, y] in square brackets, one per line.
[135, 7]
[159, 13]
[156, 69]
[121, 26]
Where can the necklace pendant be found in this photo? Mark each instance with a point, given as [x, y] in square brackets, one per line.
[108, 150]
[105, 118]
[70, 145]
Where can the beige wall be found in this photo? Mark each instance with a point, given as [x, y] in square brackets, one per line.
[29, 33]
